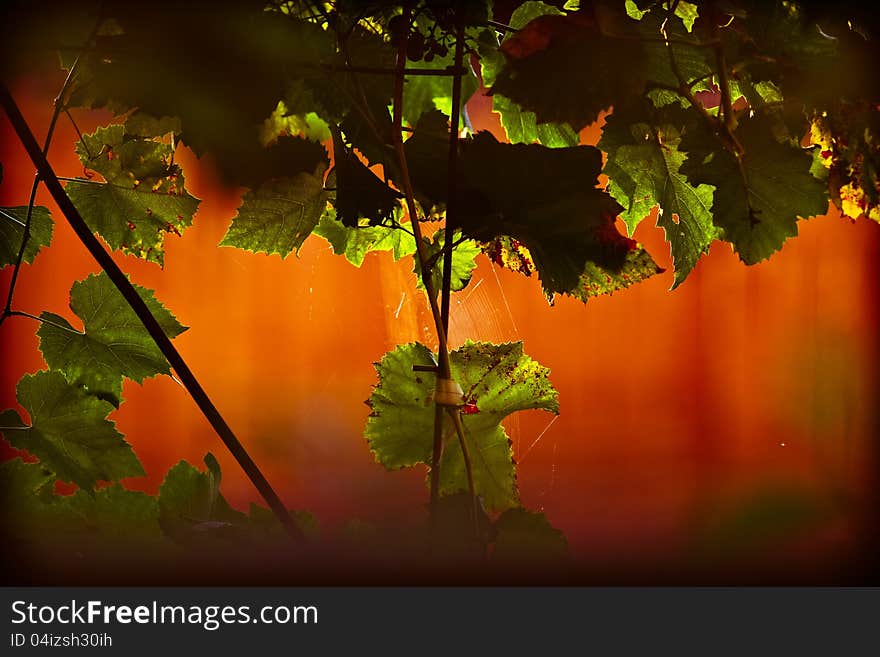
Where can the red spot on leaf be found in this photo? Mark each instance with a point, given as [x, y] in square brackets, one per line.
[469, 409]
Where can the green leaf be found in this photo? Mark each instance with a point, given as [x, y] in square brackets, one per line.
[133, 220]
[356, 243]
[638, 265]
[144, 198]
[114, 342]
[463, 263]
[25, 493]
[12, 233]
[758, 199]
[643, 170]
[69, 432]
[128, 161]
[688, 13]
[191, 506]
[99, 522]
[360, 194]
[524, 536]
[282, 122]
[545, 198]
[591, 72]
[220, 68]
[693, 60]
[279, 215]
[111, 511]
[427, 159]
[522, 127]
[497, 380]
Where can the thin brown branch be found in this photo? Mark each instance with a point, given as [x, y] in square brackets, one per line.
[151, 324]
[455, 413]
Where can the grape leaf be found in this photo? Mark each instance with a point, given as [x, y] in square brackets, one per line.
[591, 71]
[638, 265]
[520, 125]
[69, 432]
[693, 61]
[133, 220]
[86, 519]
[643, 171]
[279, 215]
[110, 511]
[509, 253]
[463, 263]
[526, 536]
[192, 67]
[144, 197]
[12, 233]
[427, 158]
[284, 123]
[26, 489]
[114, 343]
[359, 192]
[190, 502]
[758, 199]
[497, 380]
[355, 243]
[546, 199]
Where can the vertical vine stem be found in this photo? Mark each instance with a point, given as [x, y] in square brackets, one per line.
[449, 242]
[440, 315]
[47, 176]
[443, 367]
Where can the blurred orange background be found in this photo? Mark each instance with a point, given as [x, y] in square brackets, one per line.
[728, 421]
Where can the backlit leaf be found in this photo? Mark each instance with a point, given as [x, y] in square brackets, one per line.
[463, 263]
[497, 380]
[69, 432]
[279, 215]
[356, 243]
[643, 170]
[144, 197]
[114, 342]
[759, 199]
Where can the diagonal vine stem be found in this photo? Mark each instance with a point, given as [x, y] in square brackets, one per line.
[47, 176]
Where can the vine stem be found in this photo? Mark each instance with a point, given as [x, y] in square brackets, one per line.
[443, 368]
[43, 320]
[58, 107]
[449, 244]
[103, 258]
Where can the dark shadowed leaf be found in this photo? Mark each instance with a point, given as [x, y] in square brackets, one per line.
[12, 222]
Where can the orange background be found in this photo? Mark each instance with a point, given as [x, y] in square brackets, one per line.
[678, 409]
